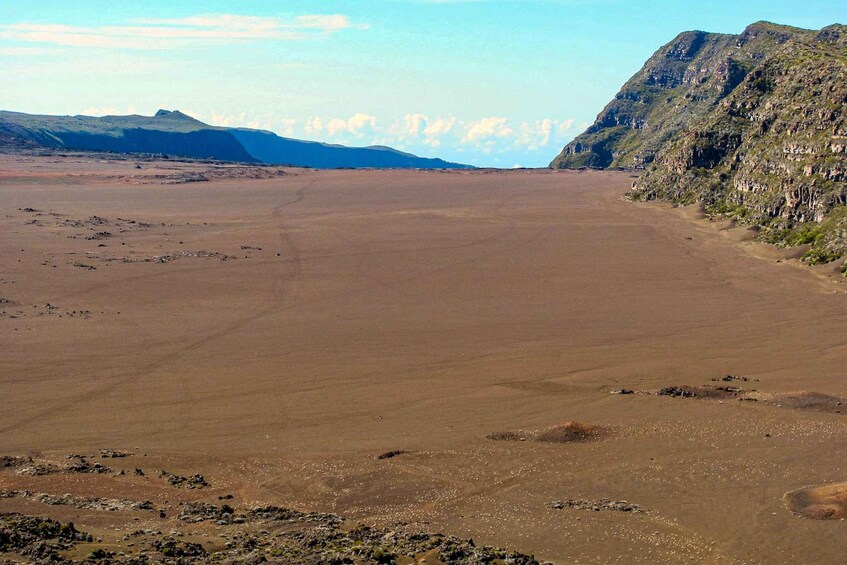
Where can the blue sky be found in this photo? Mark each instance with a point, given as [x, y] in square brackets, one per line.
[487, 82]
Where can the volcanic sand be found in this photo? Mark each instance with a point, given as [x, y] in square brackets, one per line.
[278, 334]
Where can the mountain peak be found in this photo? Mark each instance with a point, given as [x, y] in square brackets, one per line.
[174, 114]
[769, 31]
[836, 33]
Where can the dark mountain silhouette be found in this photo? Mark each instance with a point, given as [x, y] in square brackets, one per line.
[175, 133]
[273, 149]
[172, 133]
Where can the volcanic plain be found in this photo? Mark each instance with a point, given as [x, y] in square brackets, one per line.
[524, 358]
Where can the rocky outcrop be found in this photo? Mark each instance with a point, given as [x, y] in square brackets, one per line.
[753, 126]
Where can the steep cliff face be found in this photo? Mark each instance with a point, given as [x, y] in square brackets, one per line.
[681, 82]
[199, 144]
[754, 126]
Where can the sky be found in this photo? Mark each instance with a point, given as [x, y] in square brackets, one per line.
[486, 82]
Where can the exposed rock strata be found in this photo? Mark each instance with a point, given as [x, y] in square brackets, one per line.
[751, 125]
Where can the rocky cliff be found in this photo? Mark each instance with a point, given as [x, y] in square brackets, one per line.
[753, 126]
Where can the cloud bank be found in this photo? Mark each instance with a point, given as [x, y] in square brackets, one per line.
[416, 131]
[169, 33]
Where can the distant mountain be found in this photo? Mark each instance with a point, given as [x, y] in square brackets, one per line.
[270, 148]
[172, 133]
[175, 133]
[754, 126]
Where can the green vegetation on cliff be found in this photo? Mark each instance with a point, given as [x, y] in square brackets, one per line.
[753, 126]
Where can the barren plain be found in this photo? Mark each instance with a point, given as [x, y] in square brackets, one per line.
[276, 330]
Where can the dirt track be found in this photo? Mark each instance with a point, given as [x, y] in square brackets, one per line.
[299, 326]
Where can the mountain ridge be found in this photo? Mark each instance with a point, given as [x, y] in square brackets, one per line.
[750, 125]
[173, 132]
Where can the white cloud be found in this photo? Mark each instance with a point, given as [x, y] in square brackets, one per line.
[336, 126]
[287, 127]
[361, 124]
[314, 126]
[237, 120]
[227, 120]
[565, 126]
[487, 130]
[256, 124]
[416, 132]
[535, 135]
[499, 135]
[419, 125]
[172, 33]
[439, 127]
[357, 125]
[415, 123]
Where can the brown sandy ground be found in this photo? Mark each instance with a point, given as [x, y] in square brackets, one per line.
[178, 527]
[302, 325]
